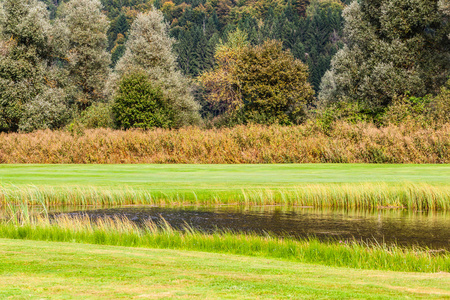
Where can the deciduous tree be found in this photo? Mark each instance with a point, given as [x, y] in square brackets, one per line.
[274, 85]
[25, 56]
[394, 47]
[263, 84]
[149, 50]
[88, 59]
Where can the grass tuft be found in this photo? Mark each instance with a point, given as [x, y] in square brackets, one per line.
[415, 196]
[122, 232]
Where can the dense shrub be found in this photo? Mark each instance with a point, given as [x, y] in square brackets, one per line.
[138, 104]
[440, 106]
[99, 115]
[427, 111]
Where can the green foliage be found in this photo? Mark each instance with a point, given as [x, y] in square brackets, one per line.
[326, 117]
[138, 104]
[406, 109]
[261, 84]
[116, 53]
[394, 48]
[88, 60]
[47, 110]
[98, 115]
[273, 84]
[221, 85]
[313, 39]
[329, 6]
[26, 52]
[440, 106]
[117, 33]
[149, 51]
[396, 52]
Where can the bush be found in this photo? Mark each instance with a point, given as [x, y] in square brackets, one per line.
[99, 115]
[404, 109]
[439, 108]
[149, 50]
[425, 111]
[326, 116]
[140, 105]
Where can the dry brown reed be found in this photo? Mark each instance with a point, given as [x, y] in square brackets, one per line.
[308, 143]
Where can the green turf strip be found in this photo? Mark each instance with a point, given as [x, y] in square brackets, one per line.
[418, 187]
[36, 270]
[166, 177]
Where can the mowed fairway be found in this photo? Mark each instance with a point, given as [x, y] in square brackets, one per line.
[56, 270]
[36, 270]
[418, 187]
[219, 177]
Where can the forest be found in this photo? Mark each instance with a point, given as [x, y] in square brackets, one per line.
[212, 63]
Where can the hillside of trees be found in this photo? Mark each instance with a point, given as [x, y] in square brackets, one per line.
[158, 63]
[311, 30]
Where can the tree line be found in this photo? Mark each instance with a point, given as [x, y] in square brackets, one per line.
[135, 63]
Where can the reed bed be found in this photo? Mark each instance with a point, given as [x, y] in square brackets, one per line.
[414, 196]
[122, 232]
[308, 143]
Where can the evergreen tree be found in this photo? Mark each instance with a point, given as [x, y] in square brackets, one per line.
[118, 26]
[300, 6]
[119, 49]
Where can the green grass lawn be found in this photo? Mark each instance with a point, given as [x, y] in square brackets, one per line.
[43, 269]
[50, 270]
[419, 187]
[188, 177]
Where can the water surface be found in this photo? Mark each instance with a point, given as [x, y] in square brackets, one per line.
[407, 228]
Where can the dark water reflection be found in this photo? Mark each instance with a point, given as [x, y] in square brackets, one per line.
[430, 229]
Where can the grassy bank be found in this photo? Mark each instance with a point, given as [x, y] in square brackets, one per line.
[121, 232]
[342, 143]
[352, 196]
[74, 271]
[423, 187]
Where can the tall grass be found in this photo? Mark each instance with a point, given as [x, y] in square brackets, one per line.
[308, 143]
[415, 196]
[122, 232]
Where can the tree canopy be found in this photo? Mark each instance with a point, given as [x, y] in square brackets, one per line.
[149, 49]
[263, 84]
[393, 48]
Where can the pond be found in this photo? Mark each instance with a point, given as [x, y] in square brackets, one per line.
[407, 228]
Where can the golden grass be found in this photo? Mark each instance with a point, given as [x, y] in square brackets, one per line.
[308, 143]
